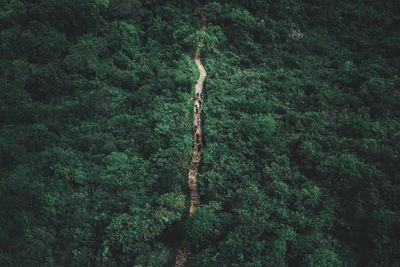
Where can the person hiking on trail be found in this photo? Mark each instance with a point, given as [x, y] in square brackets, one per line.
[184, 250]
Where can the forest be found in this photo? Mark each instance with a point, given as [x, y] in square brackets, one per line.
[300, 133]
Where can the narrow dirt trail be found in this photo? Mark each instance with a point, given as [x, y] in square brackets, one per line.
[181, 256]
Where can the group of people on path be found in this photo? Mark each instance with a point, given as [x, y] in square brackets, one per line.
[181, 257]
[197, 130]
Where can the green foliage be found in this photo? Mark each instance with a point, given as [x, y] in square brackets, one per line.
[41, 43]
[94, 140]
[300, 122]
[323, 257]
[205, 224]
[210, 42]
[244, 18]
[124, 8]
[47, 81]
[299, 127]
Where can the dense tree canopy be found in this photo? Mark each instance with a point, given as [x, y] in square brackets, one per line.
[301, 133]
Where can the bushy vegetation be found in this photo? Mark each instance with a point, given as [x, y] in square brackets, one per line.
[301, 133]
[95, 136]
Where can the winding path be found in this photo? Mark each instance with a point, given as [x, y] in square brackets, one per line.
[181, 256]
